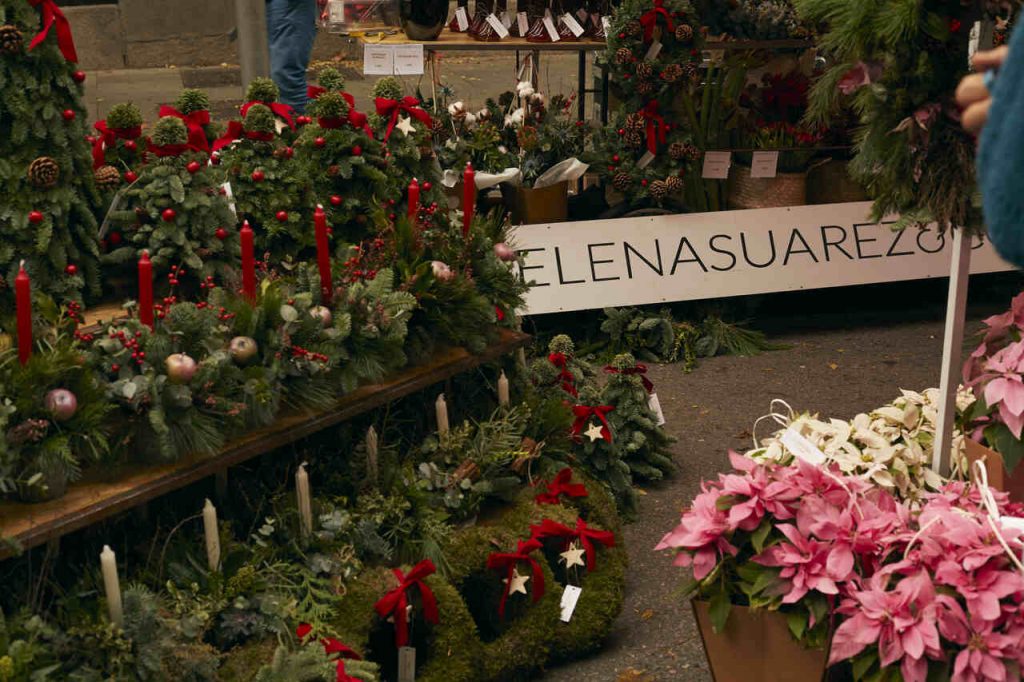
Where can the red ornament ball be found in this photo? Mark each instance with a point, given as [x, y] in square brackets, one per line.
[130, 176]
[621, 36]
[193, 167]
[289, 152]
[168, 215]
[215, 159]
[258, 176]
[35, 217]
[319, 142]
[131, 145]
[427, 186]
[78, 76]
[611, 168]
[643, 182]
[303, 120]
[357, 151]
[282, 216]
[221, 233]
[71, 269]
[391, 216]
[622, 131]
[615, 158]
[68, 114]
[114, 238]
[336, 200]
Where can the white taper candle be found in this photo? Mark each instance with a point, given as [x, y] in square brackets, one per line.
[212, 535]
[304, 500]
[503, 396]
[441, 407]
[112, 586]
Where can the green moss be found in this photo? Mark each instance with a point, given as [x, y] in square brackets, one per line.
[241, 663]
[259, 118]
[125, 115]
[331, 78]
[262, 90]
[191, 100]
[330, 105]
[388, 87]
[170, 130]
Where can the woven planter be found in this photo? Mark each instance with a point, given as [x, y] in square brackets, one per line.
[998, 477]
[785, 189]
[830, 183]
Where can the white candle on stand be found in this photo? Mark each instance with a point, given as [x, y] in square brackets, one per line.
[304, 501]
[212, 535]
[112, 586]
[442, 415]
[503, 397]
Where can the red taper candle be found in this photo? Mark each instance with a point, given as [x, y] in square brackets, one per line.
[145, 290]
[468, 198]
[23, 300]
[248, 262]
[414, 200]
[323, 254]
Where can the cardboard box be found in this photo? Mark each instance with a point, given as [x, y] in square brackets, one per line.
[998, 477]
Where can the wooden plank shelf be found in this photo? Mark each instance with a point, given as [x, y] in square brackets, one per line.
[94, 499]
[459, 42]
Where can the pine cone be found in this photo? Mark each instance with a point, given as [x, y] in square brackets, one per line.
[633, 138]
[677, 150]
[438, 129]
[644, 70]
[645, 88]
[658, 190]
[684, 33]
[691, 72]
[672, 73]
[622, 181]
[635, 121]
[690, 153]
[634, 29]
[106, 177]
[623, 55]
[674, 184]
[43, 172]
[11, 40]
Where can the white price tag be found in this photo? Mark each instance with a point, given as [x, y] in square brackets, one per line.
[408, 60]
[653, 51]
[231, 197]
[655, 405]
[379, 60]
[716, 165]
[336, 12]
[496, 24]
[407, 664]
[549, 25]
[606, 23]
[506, 20]
[973, 43]
[570, 596]
[574, 26]
[524, 23]
[646, 159]
[1012, 522]
[461, 18]
[802, 448]
[764, 165]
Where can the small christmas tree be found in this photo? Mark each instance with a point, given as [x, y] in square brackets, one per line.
[115, 148]
[598, 447]
[264, 91]
[644, 444]
[193, 107]
[176, 211]
[561, 372]
[47, 213]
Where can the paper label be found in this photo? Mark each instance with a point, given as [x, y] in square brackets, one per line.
[231, 197]
[716, 165]
[646, 159]
[407, 664]
[524, 23]
[570, 596]
[506, 20]
[973, 43]
[653, 51]
[496, 24]
[408, 60]
[336, 12]
[764, 165]
[655, 405]
[552, 31]
[574, 26]
[378, 60]
[802, 448]
[606, 23]
[1012, 522]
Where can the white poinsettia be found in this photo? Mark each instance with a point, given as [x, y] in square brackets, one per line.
[516, 118]
[525, 89]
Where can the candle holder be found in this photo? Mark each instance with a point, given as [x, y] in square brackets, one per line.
[453, 25]
[485, 31]
[483, 9]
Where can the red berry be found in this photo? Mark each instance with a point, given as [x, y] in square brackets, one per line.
[289, 152]
[303, 120]
[221, 233]
[357, 151]
[643, 182]
[622, 131]
[193, 167]
[168, 215]
[319, 142]
[131, 145]
[258, 176]
[336, 200]
[115, 368]
[611, 168]
[615, 158]
[78, 76]
[427, 185]
[130, 176]
[223, 192]
[114, 238]
[69, 114]
[282, 216]
[35, 217]
[391, 216]
[71, 269]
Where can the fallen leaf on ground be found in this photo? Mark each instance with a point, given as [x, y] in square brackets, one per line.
[647, 614]
[633, 675]
[833, 365]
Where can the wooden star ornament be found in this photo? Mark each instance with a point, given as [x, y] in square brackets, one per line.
[594, 433]
[573, 556]
[517, 583]
[405, 125]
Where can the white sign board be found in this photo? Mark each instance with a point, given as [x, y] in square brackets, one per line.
[636, 261]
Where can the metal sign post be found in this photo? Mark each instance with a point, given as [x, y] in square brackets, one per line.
[253, 49]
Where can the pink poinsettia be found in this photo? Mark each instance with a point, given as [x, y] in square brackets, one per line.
[986, 655]
[862, 74]
[807, 564]
[1004, 386]
[701, 535]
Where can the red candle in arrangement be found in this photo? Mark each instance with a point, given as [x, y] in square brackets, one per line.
[23, 300]
[145, 290]
[248, 262]
[323, 254]
[414, 200]
[468, 198]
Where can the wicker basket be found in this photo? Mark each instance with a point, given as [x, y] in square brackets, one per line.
[785, 189]
[830, 183]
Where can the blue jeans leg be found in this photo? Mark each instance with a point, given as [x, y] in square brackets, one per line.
[291, 29]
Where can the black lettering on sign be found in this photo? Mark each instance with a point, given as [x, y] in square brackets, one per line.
[863, 240]
[940, 238]
[897, 236]
[791, 251]
[730, 254]
[595, 263]
[524, 268]
[627, 247]
[826, 242]
[561, 276]
[679, 252]
[746, 254]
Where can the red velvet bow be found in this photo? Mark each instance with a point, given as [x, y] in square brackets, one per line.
[53, 17]
[393, 107]
[584, 533]
[584, 413]
[333, 646]
[107, 138]
[281, 110]
[561, 484]
[508, 561]
[394, 602]
[194, 122]
[656, 126]
[355, 118]
[649, 19]
[565, 376]
[640, 370]
[169, 149]
[235, 131]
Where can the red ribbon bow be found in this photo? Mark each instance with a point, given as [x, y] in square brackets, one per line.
[107, 138]
[584, 533]
[640, 370]
[649, 19]
[281, 110]
[235, 131]
[393, 107]
[333, 646]
[395, 602]
[565, 376]
[656, 126]
[170, 149]
[585, 412]
[355, 119]
[53, 17]
[509, 561]
[561, 484]
[194, 122]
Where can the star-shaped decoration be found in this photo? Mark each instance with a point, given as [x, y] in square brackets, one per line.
[279, 125]
[517, 583]
[573, 556]
[594, 433]
[405, 125]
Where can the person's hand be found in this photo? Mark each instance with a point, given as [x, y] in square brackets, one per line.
[972, 94]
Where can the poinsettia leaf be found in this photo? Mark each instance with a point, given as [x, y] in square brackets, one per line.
[797, 622]
[1011, 449]
[759, 534]
[725, 502]
[863, 663]
[718, 610]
